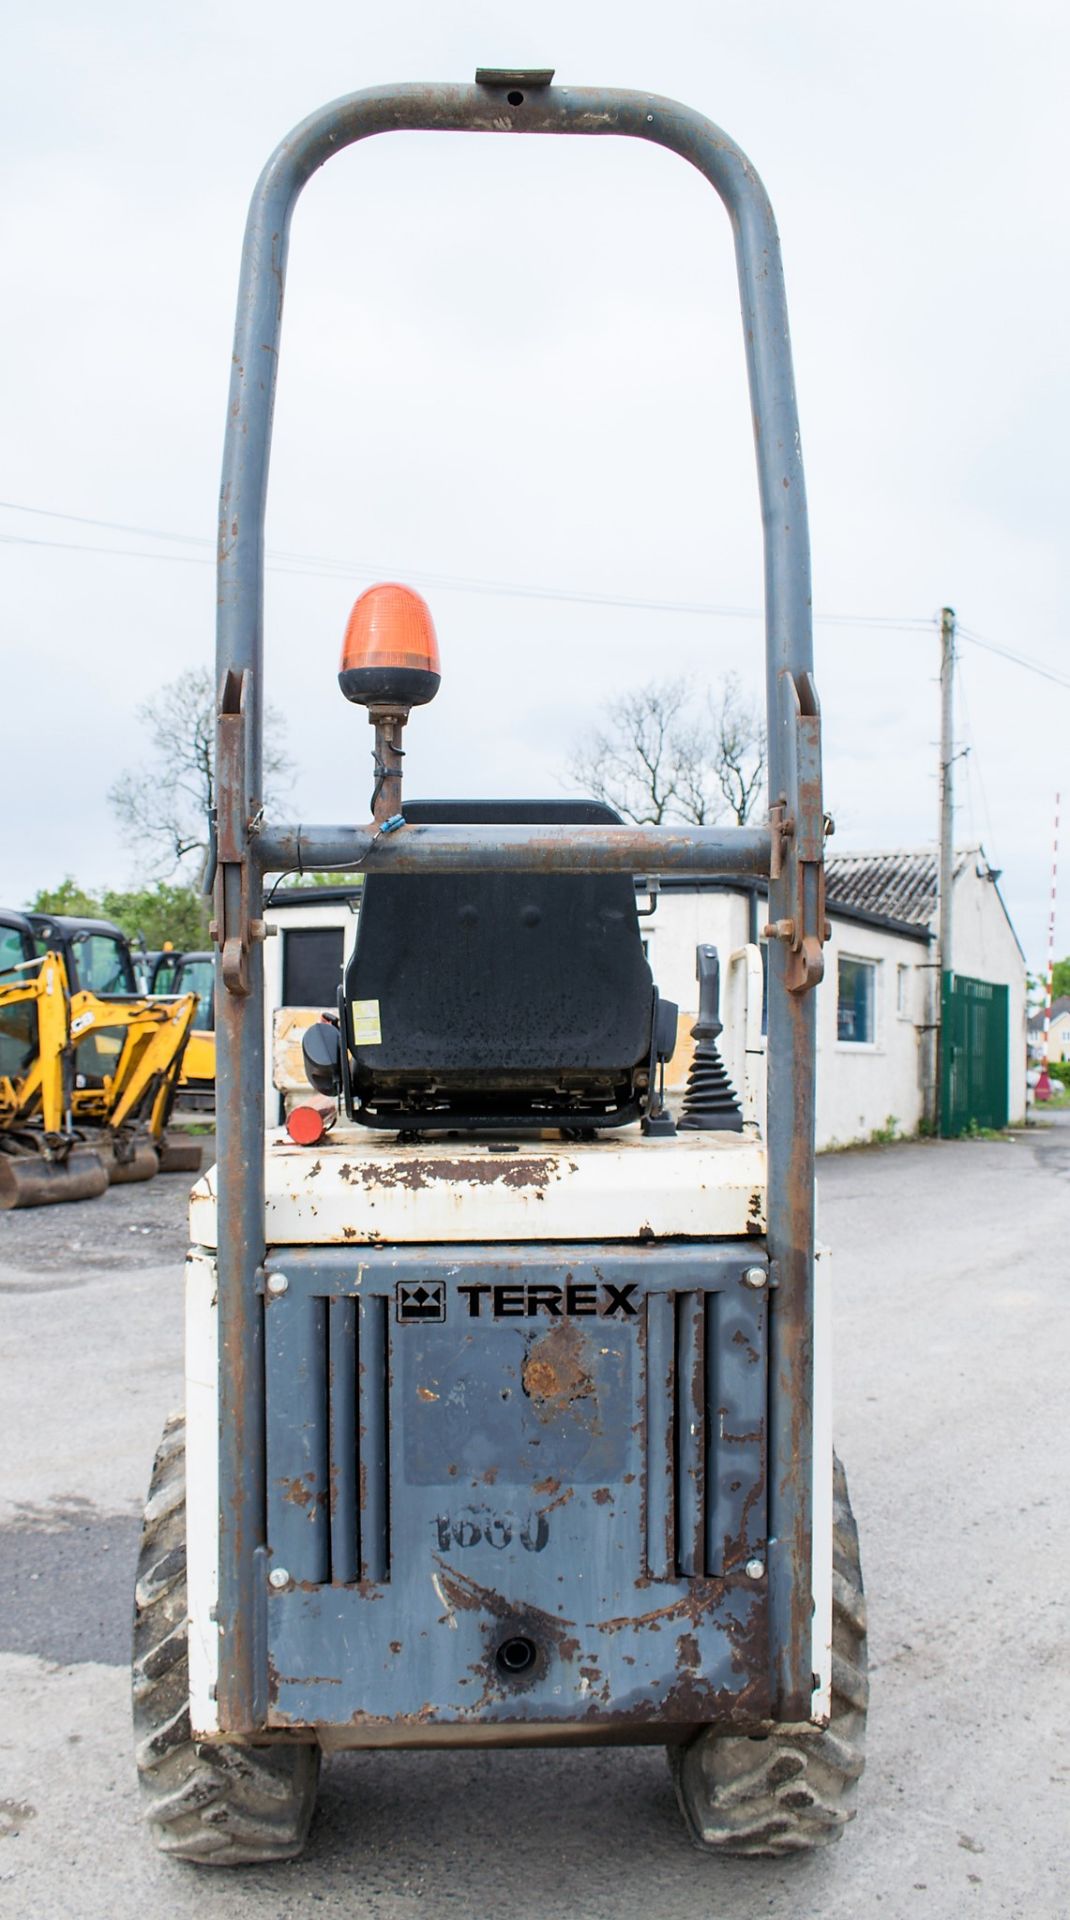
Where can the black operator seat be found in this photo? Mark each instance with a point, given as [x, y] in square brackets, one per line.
[485, 999]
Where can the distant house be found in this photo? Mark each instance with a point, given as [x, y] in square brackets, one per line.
[1059, 1035]
[985, 1014]
[878, 1006]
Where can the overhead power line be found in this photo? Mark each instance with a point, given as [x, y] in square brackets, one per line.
[282, 560]
[1018, 659]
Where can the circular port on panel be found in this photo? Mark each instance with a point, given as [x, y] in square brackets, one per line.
[516, 1656]
[515, 98]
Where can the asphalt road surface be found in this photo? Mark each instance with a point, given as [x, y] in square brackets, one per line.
[952, 1271]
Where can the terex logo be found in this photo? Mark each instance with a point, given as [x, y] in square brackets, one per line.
[523, 1302]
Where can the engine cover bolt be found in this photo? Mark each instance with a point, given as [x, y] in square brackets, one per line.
[278, 1577]
[754, 1277]
[277, 1283]
[754, 1569]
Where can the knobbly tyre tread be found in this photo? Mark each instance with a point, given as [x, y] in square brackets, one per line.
[219, 1805]
[789, 1792]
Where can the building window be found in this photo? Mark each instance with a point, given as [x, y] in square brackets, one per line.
[902, 991]
[856, 1002]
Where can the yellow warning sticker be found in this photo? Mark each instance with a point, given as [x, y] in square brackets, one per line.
[366, 1029]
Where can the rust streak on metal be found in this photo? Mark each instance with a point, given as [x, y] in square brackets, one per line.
[701, 1596]
[467, 1595]
[562, 1500]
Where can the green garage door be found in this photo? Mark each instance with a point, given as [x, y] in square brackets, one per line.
[974, 1035]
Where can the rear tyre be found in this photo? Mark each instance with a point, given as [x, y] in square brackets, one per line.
[789, 1792]
[221, 1805]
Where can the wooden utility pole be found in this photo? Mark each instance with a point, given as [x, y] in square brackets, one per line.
[947, 782]
[946, 877]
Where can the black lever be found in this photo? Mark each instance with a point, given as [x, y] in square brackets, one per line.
[710, 1102]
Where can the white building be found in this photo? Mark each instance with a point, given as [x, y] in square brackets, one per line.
[877, 1007]
[878, 1003]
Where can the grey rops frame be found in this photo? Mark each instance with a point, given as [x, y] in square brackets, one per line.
[789, 851]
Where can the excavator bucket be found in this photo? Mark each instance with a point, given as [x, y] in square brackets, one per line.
[27, 1179]
[127, 1161]
[179, 1155]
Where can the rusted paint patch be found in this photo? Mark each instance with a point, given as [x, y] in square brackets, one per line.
[687, 1652]
[493, 1170]
[300, 1492]
[553, 1374]
[740, 1339]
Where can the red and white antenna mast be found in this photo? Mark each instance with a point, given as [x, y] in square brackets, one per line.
[1042, 1090]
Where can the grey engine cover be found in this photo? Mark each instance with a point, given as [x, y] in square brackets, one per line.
[516, 1494]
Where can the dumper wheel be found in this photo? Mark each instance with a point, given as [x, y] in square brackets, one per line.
[789, 1792]
[222, 1806]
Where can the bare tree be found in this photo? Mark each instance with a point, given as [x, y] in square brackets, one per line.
[739, 748]
[662, 754]
[164, 805]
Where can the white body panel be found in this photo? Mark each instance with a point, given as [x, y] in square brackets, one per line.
[202, 1487]
[360, 1187]
[821, 1544]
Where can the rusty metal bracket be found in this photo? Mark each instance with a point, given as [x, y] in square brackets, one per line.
[797, 825]
[233, 929]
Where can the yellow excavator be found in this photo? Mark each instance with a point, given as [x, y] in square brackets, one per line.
[99, 956]
[195, 973]
[66, 1134]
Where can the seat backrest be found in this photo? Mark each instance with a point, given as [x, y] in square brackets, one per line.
[493, 996]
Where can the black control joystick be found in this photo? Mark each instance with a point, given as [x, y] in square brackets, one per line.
[710, 1101]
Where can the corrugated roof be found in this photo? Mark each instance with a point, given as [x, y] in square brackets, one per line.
[898, 886]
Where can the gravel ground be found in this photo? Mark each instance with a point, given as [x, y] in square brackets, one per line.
[142, 1225]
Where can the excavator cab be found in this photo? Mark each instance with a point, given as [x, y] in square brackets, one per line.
[18, 1020]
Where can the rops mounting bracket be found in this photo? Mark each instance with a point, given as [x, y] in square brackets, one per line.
[233, 929]
[797, 823]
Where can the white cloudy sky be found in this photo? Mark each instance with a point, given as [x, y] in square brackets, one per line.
[518, 361]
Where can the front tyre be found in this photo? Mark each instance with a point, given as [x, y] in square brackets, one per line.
[221, 1805]
[789, 1792]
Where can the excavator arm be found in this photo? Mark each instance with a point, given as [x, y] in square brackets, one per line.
[148, 1064]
